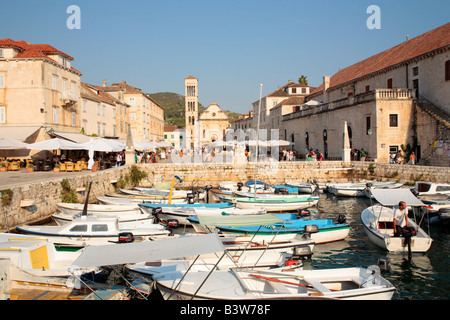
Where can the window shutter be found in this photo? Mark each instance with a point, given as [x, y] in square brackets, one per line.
[2, 115]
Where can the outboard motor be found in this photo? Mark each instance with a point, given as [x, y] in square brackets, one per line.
[190, 198]
[172, 223]
[207, 188]
[239, 186]
[408, 233]
[126, 237]
[311, 228]
[301, 252]
[156, 211]
[384, 265]
[283, 190]
[303, 212]
[341, 219]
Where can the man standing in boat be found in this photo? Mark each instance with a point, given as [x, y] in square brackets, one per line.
[400, 218]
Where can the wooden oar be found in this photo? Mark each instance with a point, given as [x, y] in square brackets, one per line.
[285, 282]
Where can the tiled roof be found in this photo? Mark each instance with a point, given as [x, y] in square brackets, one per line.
[433, 40]
[171, 128]
[29, 50]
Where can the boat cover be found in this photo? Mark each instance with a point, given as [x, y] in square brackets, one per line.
[238, 220]
[135, 252]
[391, 197]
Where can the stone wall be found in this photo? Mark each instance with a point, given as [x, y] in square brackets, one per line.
[37, 201]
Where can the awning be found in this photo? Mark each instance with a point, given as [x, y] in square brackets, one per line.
[72, 136]
[237, 220]
[116, 254]
[391, 197]
[20, 133]
[12, 144]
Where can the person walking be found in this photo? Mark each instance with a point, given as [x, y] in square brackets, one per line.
[412, 159]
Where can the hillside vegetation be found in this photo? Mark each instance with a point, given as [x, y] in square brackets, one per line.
[173, 104]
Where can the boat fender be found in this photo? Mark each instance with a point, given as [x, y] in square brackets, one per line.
[126, 237]
[311, 228]
[156, 210]
[374, 276]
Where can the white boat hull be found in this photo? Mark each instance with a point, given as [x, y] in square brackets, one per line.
[384, 238]
[275, 207]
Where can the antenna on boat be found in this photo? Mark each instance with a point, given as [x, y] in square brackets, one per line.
[257, 136]
[86, 200]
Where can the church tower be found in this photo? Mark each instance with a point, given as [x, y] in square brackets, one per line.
[191, 111]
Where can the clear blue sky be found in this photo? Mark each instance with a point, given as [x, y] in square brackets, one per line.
[230, 46]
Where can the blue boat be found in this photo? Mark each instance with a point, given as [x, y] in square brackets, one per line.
[321, 230]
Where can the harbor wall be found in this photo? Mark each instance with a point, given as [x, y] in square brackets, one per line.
[32, 202]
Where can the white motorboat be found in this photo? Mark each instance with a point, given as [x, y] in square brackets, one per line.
[378, 223]
[98, 209]
[112, 200]
[89, 230]
[426, 188]
[123, 220]
[359, 189]
[247, 284]
[276, 203]
[303, 187]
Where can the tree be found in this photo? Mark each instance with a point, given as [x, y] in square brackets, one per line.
[303, 80]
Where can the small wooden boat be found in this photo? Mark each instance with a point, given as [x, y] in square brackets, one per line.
[274, 284]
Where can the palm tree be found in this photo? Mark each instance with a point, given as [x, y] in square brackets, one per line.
[303, 80]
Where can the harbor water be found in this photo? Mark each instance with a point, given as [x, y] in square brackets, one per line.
[423, 276]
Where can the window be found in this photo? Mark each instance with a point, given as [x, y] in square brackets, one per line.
[415, 71]
[1, 53]
[114, 113]
[294, 90]
[98, 108]
[132, 116]
[389, 83]
[79, 228]
[99, 227]
[368, 126]
[98, 128]
[2, 80]
[367, 88]
[55, 115]
[84, 125]
[2, 114]
[74, 119]
[55, 82]
[393, 120]
[442, 188]
[304, 90]
[131, 101]
[64, 88]
[103, 110]
[104, 129]
[447, 70]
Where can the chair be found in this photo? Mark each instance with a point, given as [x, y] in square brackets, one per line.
[69, 166]
[77, 166]
[14, 166]
[62, 166]
[84, 165]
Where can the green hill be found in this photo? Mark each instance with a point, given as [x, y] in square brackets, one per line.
[173, 104]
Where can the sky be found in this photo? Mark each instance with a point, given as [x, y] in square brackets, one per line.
[230, 46]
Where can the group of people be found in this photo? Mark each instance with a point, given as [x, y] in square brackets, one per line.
[288, 155]
[146, 157]
[314, 155]
[398, 158]
[359, 155]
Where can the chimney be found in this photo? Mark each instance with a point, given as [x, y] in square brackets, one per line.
[326, 85]
[104, 83]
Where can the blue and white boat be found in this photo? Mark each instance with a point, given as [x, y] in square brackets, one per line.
[289, 227]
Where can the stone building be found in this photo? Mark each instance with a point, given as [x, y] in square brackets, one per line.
[146, 116]
[398, 97]
[39, 91]
[175, 136]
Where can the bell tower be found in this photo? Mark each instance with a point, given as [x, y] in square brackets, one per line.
[191, 111]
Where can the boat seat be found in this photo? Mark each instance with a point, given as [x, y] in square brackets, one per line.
[317, 285]
[279, 287]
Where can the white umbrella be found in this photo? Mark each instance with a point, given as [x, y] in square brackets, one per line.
[163, 144]
[95, 145]
[116, 145]
[11, 144]
[55, 144]
[277, 143]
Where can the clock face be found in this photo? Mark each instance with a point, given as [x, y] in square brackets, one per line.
[214, 114]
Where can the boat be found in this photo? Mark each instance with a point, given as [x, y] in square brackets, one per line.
[156, 193]
[88, 230]
[427, 188]
[359, 189]
[274, 284]
[378, 223]
[248, 186]
[98, 209]
[282, 226]
[110, 199]
[303, 187]
[166, 192]
[123, 220]
[435, 206]
[275, 203]
[181, 212]
[143, 196]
